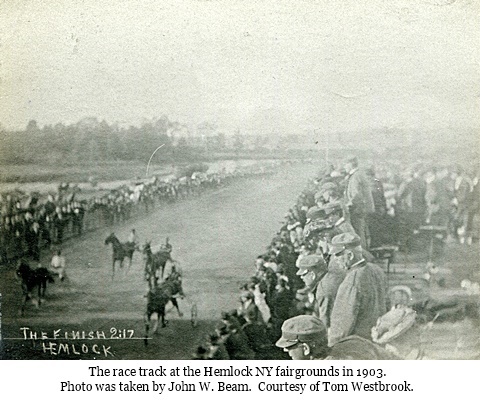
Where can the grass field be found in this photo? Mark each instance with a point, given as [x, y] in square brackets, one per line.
[78, 172]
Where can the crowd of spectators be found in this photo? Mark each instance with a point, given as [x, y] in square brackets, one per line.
[30, 223]
[318, 272]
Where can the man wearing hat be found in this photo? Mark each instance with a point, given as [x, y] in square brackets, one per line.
[236, 342]
[341, 224]
[326, 291]
[321, 285]
[358, 199]
[334, 213]
[317, 222]
[330, 224]
[361, 297]
[327, 221]
[304, 337]
[311, 269]
[328, 192]
[217, 350]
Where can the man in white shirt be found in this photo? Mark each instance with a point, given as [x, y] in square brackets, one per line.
[57, 265]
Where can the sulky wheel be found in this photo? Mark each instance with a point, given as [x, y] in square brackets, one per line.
[194, 314]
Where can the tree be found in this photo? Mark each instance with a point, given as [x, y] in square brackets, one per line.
[238, 142]
[32, 127]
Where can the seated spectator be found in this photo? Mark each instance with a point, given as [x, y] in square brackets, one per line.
[216, 349]
[201, 353]
[256, 332]
[236, 342]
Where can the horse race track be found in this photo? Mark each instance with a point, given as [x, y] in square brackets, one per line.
[215, 237]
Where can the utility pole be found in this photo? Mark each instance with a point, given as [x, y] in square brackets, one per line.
[327, 146]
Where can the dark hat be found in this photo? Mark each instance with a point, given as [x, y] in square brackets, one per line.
[316, 213]
[308, 263]
[229, 315]
[231, 319]
[214, 338]
[201, 352]
[300, 329]
[328, 186]
[332, 207]
[317, 227]
[344, 241]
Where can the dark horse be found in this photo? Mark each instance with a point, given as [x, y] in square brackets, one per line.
[120, 251]
[155, 262]
[31, 279]
[158, 297]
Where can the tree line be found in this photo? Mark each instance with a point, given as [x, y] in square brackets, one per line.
[91, 140]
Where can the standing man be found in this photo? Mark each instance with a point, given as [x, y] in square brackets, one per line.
[358, 199]
[57, 265]
[361, 297]
[412, 206]
[327, 290]
[473, 207]
[462, 188]
[32, 236]
[312, 268]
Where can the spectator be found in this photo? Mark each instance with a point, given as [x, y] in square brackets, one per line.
[358, 199]
[216, 349]
[462, 188]
[361, 297]
[312, 269]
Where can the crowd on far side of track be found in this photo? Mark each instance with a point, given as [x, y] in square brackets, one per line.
[32, 223]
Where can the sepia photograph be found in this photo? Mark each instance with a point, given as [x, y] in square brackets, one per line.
[239, 180]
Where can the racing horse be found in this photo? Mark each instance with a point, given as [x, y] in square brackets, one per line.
[156, 261]
[31, 279]
[120, 252]
[158, 296]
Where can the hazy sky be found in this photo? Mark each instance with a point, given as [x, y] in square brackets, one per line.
[276, 65]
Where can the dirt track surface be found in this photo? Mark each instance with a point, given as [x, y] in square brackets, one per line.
[215, 237]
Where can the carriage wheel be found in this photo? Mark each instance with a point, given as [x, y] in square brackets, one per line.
[194, 313]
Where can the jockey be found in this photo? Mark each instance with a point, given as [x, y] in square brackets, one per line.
[167, 247]
[175, 272]
[57, 265]
[132, 240]
[175, 277]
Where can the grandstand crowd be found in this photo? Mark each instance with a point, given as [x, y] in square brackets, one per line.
[316, 292]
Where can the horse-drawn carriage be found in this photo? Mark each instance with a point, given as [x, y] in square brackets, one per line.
[121, 251]
[443, 326]
[159, 295]
[430, 318]
[162, 291]
[156, 262]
